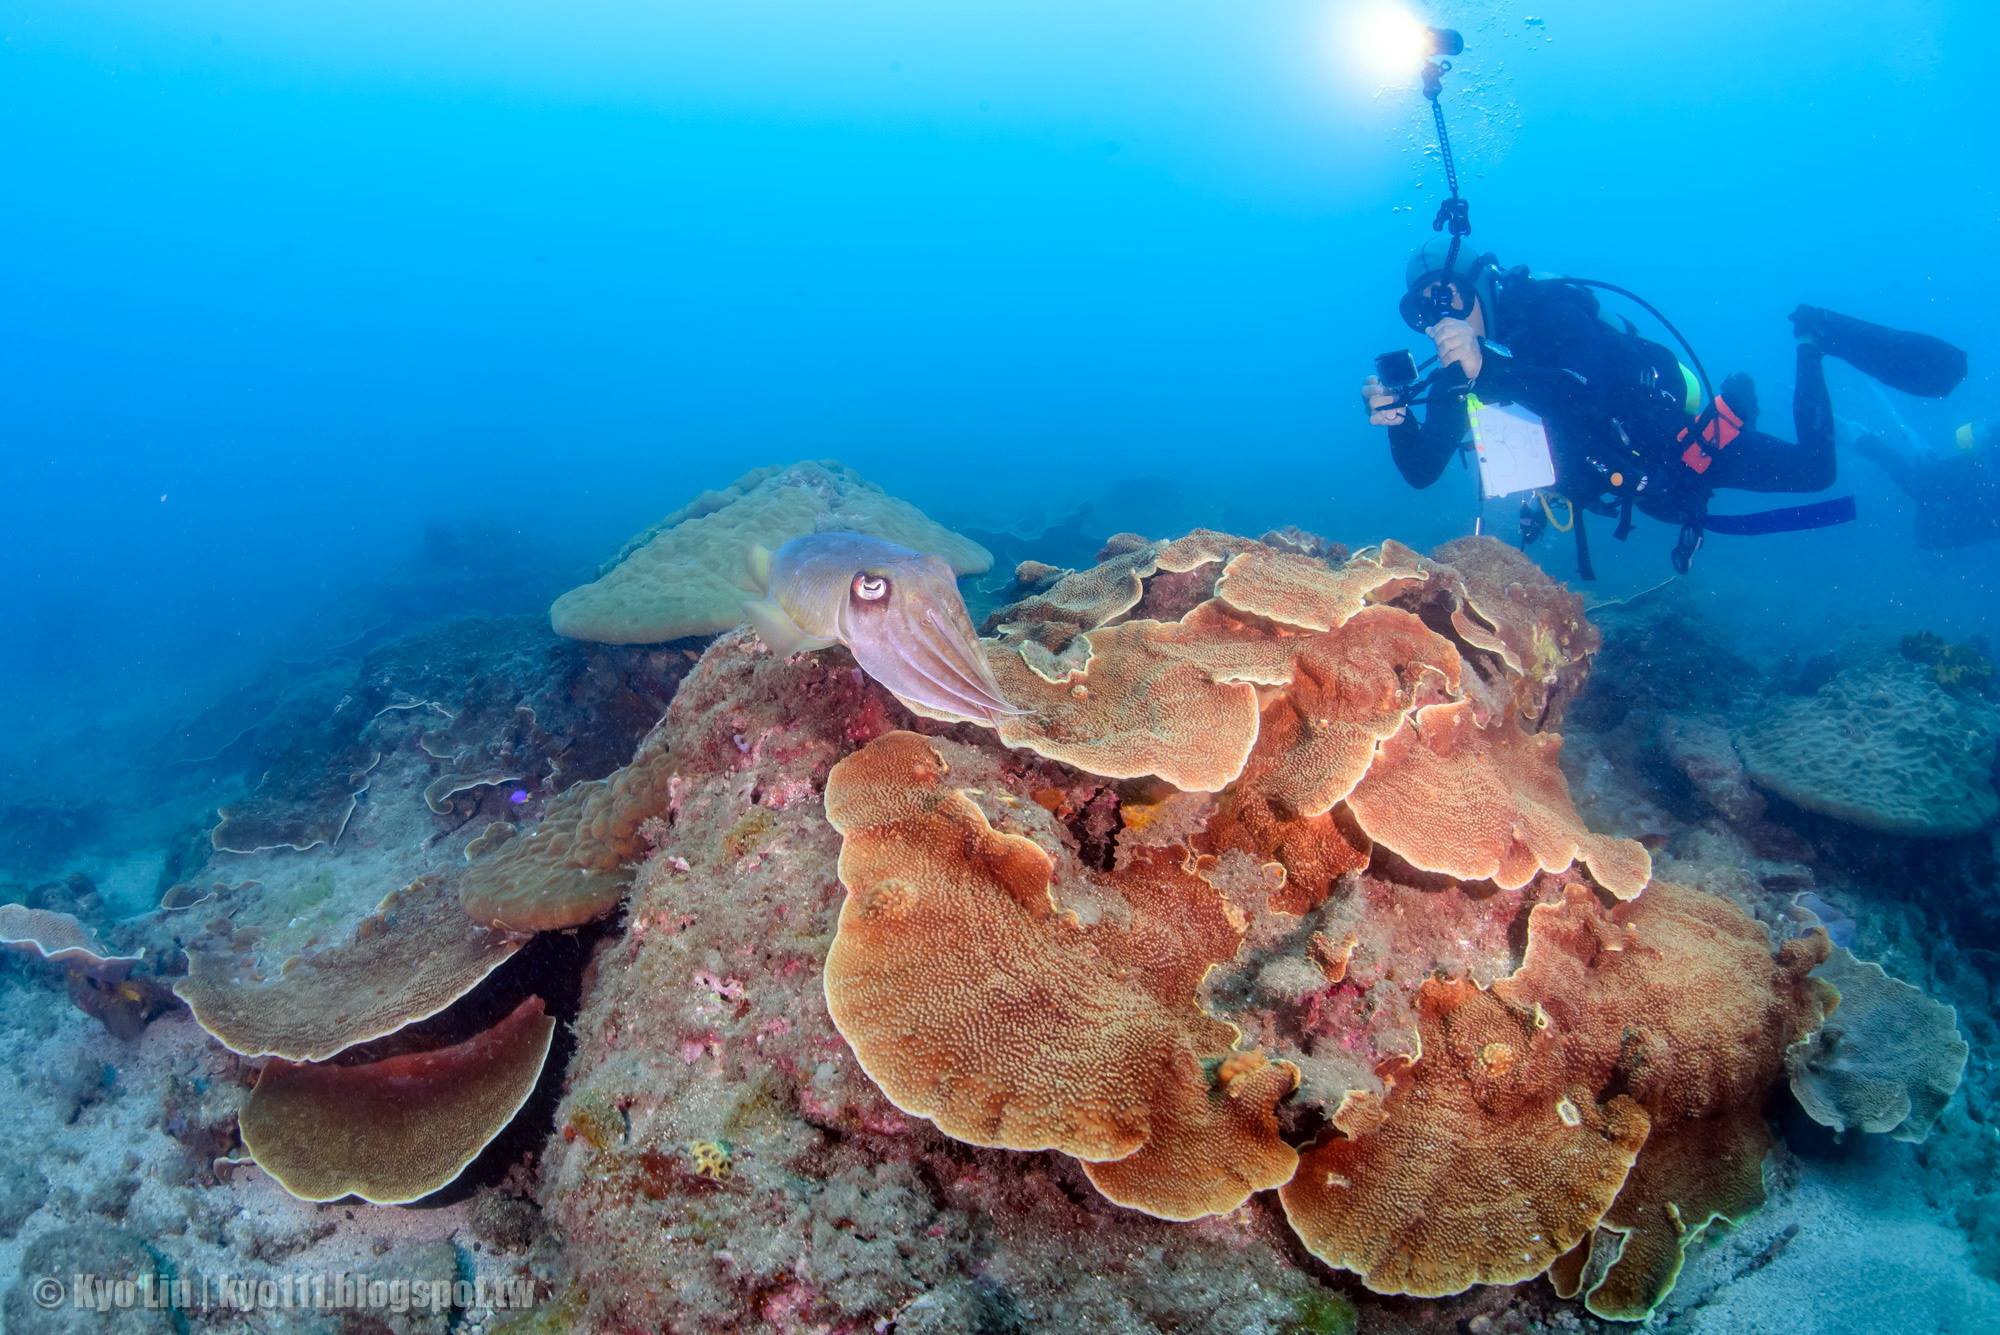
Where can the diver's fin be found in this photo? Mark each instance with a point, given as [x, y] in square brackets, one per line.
[1913, 363]
[779, 631]
[758, 562]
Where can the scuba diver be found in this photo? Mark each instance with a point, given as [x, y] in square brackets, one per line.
[1956, 490]
[1619, 422]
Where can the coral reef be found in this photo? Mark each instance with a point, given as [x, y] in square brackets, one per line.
[1537, 626]
[1276, 914]
[688, 575]
[1676, 999]
[1922, 907]
[1514, 1141]
[704, 1024]
[295, 959]
[1672, 999]
[125, 1183]
[1173, 960]
[1089, 1043]
[1889, 1059]
[574, 866]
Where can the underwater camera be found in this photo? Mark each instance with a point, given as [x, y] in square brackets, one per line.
[1396, 370]
[1401, 376]
[1398, 373]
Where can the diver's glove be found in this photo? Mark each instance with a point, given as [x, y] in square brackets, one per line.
[1458, 346]
[1534, 519]
[1383, 410]
[1685, 547]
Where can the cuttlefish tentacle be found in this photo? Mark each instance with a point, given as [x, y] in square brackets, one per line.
[924, 679]
[896, 609]
[950, 655]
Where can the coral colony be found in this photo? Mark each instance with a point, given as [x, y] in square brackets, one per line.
[1252, 888]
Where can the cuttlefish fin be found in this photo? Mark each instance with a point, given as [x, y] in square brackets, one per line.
[757, 564]
[778, 630]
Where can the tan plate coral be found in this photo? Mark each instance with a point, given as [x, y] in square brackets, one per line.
[410, 959]
[61, 939]
[1334, 928]
[395, 1130]
[1887, 1060]
[1088, 1042]
[574, 866]
[687, 576]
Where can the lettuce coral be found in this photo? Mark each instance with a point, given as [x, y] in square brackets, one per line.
[1674, 1000]
[1488, 1159]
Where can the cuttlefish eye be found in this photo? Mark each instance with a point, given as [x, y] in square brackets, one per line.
[870, 588]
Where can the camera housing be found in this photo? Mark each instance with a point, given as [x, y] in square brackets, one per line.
[1396, 369]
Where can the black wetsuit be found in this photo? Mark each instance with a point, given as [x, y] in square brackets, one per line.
[1614, 407]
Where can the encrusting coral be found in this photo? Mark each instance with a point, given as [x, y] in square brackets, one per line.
[1887, 1060]
[395, 1130]
[687, 576]
[1885, 747]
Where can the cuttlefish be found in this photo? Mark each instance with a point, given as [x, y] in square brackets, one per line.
[896, 609]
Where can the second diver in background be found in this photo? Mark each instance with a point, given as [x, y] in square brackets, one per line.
[1955, 491]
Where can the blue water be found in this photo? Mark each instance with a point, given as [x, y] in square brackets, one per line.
[289, 291]
[284, 284]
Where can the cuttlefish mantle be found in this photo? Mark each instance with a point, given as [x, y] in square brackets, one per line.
[896, 609]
